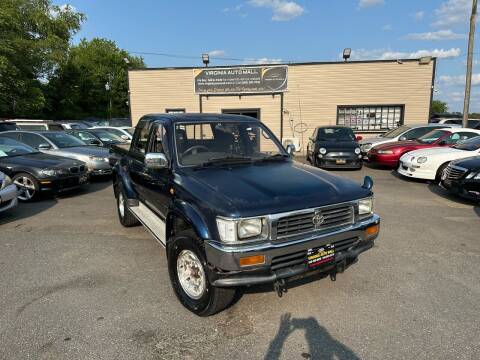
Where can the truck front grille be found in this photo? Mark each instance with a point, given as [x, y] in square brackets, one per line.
[315, 220]
[300, 257]
[452, 172]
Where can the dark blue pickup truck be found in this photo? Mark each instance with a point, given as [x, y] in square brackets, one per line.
[233, 209]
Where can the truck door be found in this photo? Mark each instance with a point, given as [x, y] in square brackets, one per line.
[136, 159]
[156, 186]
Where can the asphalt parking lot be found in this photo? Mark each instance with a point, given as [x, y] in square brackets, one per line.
[75, 284]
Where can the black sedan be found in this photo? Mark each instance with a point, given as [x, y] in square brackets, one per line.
[334, 147]
[34, 172]
[462, 177]
[98, 137]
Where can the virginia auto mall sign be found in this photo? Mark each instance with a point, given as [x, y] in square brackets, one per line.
[241, 80]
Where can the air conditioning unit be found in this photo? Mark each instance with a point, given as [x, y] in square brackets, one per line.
[292, 141]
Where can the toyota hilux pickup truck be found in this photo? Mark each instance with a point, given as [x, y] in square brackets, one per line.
[232, 208]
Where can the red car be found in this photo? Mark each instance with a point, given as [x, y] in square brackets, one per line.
[389, 154]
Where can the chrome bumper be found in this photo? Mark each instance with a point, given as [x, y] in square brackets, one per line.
[227, 257]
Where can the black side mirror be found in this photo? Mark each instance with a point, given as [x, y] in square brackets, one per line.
[367, 183]
[95, 142]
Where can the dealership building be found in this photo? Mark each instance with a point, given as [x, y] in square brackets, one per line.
[292, 99]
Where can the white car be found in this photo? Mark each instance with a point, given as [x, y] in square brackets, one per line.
[429, 164]
[401, 133]
[125, 132]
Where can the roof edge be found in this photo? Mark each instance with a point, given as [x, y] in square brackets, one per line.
[277, 64]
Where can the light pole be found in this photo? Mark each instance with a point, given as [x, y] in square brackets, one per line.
[206, 59]
[108, 87]
[468, 80]
[346, 54]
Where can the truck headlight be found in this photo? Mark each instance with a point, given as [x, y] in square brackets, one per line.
[422, 159]
[231, 231]
[365, 206]
[323, 151]
[385, 152]
[357, 151]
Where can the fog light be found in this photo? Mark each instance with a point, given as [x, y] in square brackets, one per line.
[252, 260]
[372, 231]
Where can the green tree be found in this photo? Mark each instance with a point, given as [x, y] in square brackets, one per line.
[79, 87]
[34, 41]
[439, 107]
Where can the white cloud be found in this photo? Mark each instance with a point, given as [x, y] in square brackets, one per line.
[459, 79]
[387, 54]
[369, 3]
[387, 27]
[452, 12]
[435, 35]
[418, 16]
[263, 60]
[283, 10]
[217, 53]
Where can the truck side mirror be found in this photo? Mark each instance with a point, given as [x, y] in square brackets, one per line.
[155, 161]
[367, 183]
[44, 146]
[290, 149]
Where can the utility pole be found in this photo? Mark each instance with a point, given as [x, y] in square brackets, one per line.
[468, 80]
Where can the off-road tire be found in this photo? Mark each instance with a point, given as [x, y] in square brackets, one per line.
[214, 299]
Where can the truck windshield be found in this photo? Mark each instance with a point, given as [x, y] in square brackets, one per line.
[216, 142]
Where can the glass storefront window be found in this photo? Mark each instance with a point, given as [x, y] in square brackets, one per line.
[370, 118]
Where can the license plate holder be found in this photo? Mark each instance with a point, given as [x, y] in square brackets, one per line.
[341, 161]
[320, 255]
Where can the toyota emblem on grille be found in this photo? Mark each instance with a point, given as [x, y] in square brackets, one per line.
[318, 219]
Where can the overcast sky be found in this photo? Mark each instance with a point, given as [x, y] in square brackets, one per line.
[251, 31]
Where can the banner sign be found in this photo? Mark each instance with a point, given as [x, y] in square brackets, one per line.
[241, 80]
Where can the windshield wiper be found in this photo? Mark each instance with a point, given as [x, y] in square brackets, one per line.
[275, 157]
[226, 160]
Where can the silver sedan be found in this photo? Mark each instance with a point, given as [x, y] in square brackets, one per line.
[62, 144]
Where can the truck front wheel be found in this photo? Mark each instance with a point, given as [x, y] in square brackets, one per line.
[124, 215]
[188, 274]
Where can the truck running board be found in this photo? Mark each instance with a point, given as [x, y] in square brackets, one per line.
[151, 221]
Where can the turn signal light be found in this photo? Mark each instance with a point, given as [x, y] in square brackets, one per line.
[372, 231]
[252, 260]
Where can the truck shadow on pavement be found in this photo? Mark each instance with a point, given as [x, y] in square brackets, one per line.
[321, 345]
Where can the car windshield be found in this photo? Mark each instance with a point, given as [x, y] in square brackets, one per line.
[113, 131]
[431, 137]
[63, 140]
[225, 142]
[469, 145]
[395, 132]
[10, 147]
[107, 137]
[335, 134]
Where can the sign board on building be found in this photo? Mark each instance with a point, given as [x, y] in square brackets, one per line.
[241, 80]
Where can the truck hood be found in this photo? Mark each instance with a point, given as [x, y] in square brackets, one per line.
[267, 188]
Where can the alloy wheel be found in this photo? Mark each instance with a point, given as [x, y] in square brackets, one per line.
[26, 188]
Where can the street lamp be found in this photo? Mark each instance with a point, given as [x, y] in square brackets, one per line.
[206, 59]
[346, 54]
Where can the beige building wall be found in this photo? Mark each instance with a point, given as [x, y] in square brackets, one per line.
[314, 91]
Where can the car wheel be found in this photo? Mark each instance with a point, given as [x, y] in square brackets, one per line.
[27, 186]
[124, 214]
[187, 268]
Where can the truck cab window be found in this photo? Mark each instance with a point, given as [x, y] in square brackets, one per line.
[141, 140]
[158, 142]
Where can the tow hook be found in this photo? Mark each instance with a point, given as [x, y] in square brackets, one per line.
[280, 287]
[340, 268]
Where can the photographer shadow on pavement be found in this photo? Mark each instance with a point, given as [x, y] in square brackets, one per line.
[320, 343]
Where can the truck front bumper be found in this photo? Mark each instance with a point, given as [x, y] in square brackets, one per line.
[287, 259]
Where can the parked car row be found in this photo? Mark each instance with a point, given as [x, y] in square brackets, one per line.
[449, 156]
